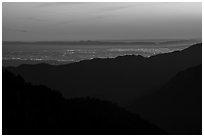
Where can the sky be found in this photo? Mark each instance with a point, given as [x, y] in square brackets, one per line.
[67, 21]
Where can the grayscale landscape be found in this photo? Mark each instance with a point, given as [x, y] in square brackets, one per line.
[105, 68]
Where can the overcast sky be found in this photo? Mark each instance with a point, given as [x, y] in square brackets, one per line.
[100, 21]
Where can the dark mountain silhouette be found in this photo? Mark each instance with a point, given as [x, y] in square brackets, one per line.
[120, 80]
[29, 109]
[16, 62]
[177, 106]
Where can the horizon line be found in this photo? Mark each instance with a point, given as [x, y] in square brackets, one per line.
[89, 40]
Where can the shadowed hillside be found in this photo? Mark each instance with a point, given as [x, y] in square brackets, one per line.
[120, 80]
[177, 106]
[29, 109]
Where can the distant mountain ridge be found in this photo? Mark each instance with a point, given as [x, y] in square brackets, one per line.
[125, 76]
[107, 42]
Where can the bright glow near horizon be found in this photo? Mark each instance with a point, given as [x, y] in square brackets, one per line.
[100, 21]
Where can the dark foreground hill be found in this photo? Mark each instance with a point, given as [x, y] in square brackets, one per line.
[120, 80]
[177, 106]
[29, 109]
